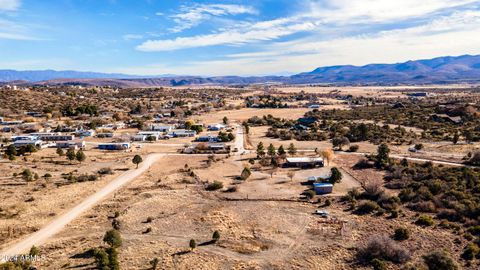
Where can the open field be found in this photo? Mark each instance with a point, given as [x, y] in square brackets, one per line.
[257, 199]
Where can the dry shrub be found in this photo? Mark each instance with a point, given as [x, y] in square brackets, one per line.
[384, 248]
[440, 260]
[423, 206]
[363, 164]
[373, 189]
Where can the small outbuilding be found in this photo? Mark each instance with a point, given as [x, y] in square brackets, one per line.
[323, 188]
[314, 179]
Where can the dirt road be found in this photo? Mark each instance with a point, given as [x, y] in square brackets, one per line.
[239, 138]
[454, 164]
[59, 223]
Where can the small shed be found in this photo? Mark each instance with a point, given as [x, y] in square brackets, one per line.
[314, 179]
[323, 188]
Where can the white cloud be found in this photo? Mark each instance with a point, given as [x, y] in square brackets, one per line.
[9, 5]
[320, 15]
[14, 31]
[370, 11]
[268, 30]
[132, 37]
[191, 16]
[447, 35]
[13, 36]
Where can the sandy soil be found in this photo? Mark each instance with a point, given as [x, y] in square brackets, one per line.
[259, 233]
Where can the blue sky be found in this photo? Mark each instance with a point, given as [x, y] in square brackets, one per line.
[257, 37]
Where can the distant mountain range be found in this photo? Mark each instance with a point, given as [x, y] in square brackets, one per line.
[439, 70]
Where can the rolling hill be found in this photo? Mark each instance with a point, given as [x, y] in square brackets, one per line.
[439, 70]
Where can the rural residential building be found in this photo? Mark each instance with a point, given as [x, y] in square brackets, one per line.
[315, 179]
[208, 138]
[304, 162]
[114, 146]
[139, 138]
[323, 188]
[53, 137]
[24, 138]
[20, 143]
[216, 127]
[161, 128]
[182, 133]
[207, 148]
[76, 144]
[86, 133]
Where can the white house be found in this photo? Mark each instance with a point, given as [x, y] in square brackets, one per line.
[303, 162]
[215, 127]
[53, 137]
[20, 143]
[161, 128]
[76, 144]
[155, 134]
[182, 133]
[24, 138]
[86, 133]
[139, 138]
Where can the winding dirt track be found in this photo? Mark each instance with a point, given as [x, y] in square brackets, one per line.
[59, 223]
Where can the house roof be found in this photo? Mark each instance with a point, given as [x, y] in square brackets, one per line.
[322, 185]
[304, 159]
[27, 142]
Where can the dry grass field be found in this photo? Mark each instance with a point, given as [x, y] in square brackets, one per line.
[266, 231]
[265, 222]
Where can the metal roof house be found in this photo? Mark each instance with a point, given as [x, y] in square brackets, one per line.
[315, 179]
[75, 144]
[86, 133]
[24, 138]
[161, 128]
[182, 133]
[208, 138]
[53, 137]
[148, 134]
[207, 148]
[139, 138]
[20, 143]
[114, 146]
[304, 162]
[323, 188]
[215, 127]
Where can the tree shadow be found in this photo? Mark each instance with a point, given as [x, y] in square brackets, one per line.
[84, 255]
[181, 253]
[82, 266]
[211, 242]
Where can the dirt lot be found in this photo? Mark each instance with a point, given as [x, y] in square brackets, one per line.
[244, 114]
[370, 91]
[265, 222]
[270, 230]
[35, 203]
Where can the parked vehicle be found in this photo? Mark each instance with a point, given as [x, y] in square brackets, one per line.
[322, 213]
